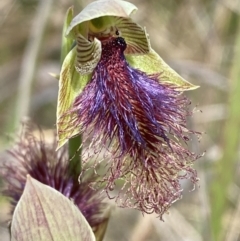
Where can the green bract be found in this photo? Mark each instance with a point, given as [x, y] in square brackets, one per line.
[100, 20]
[43, 213]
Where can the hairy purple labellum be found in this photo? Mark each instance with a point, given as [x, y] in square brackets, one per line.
[142, 124]
[41, 161]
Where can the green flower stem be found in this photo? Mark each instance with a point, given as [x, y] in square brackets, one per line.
[74, 144]
[75, 151]
[231, 137]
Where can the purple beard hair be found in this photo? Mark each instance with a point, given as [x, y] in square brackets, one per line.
[40, 160]
[125, 103]
[141, 123]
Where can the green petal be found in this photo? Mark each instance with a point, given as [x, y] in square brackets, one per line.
[66, 42]
[152, 63]
[102, 8]
[88, 54]
[43, 213]
[136, 37]
[71, 84]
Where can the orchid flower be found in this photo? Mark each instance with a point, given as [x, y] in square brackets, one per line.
[35, 157]
[117, 92]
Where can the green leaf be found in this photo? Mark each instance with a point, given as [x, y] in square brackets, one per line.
[66, 42]
[101, 8]
[44, 214]
[152, 63]
[71, 84]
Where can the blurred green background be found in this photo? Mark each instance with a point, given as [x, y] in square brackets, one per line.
[200, 39]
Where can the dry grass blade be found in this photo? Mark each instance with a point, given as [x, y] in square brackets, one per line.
[142, 229]
[177, 227]
[30, 58]
[233, 233]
